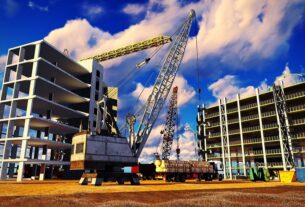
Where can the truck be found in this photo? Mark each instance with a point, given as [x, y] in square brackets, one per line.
[179, 171]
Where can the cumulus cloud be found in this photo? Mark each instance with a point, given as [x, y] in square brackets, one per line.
[134, 9]
[2, 62]
[73, 38]
[91, 11]
[288, 78]
[34, 5]
[235, 31]
[238, 30]
[152, 25]
[186, 145]
[228, 87]
[185, 91]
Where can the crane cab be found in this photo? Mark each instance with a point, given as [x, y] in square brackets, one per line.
[95, 152]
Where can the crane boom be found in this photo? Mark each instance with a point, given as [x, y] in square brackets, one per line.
[162, 85]
[154, 42]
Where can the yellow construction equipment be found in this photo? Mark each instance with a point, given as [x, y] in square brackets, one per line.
[154, 42]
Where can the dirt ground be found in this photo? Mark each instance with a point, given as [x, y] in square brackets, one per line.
[152, 193]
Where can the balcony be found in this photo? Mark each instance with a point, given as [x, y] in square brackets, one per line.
[234, 131]
[268, 114]
[233, 121]
[215, 114]
[270, 126]
[298, 135]
[295, 95]
[248, 106]
[298, 121]
[267, 102]
[250, 117]
[214, 135]
[233, 110]
[213, 124]
[296, 108]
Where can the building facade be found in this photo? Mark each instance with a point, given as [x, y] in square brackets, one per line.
[259, 130]
[46, 97]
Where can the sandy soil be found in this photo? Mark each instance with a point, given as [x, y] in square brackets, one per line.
[69, 193]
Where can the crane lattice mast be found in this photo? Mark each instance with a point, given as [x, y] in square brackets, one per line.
[162, 85]
[170, 126]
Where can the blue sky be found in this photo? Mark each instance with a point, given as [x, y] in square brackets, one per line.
[242, 44]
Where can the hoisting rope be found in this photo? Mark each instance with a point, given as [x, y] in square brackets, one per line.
[125, 79]
[198, 70]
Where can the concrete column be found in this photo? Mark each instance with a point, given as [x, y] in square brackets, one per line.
[261, 127]
[24, 145]
[222, 137]
[43, 166]
[228, 139]
[27, 122]
[241, 135]
[13, 156]
[36, 153]
[204, 133]
[9, 58]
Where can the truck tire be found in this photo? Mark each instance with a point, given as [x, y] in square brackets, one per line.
[177, 178]
[134, 181]
[220, 177]
[182, 178]
[120, 181]
[168, 178]
[208, 177]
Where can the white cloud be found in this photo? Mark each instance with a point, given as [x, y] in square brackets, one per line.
[186, 144]
[91, 11]
[228, 87]
[134, 9]
[235, 31]
[185, 91]
[2, 62]
[34, 5]
[238, 30]
[288, 78]
[73, 38]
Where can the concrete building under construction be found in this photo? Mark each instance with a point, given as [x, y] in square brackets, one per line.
[46, 98]
[248, 131]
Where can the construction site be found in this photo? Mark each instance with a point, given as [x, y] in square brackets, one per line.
[61, 143]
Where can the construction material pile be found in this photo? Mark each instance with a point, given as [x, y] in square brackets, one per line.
[173, 166]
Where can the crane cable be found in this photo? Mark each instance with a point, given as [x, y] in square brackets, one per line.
[124, 79]
[197, 68]
[138, 112]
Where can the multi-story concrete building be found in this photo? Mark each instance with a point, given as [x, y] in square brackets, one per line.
[248, 131]
[46, 97]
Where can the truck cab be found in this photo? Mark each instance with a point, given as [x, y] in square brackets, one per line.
[218, 169]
